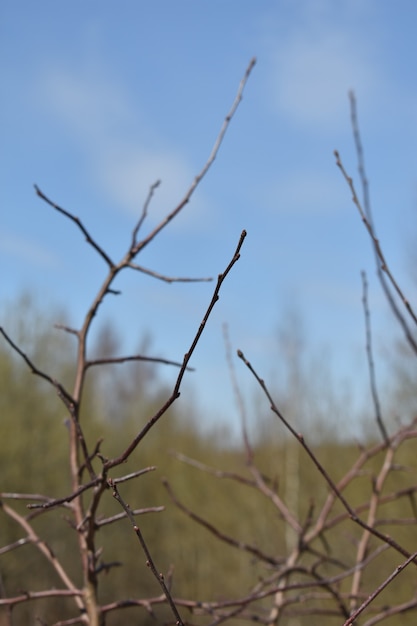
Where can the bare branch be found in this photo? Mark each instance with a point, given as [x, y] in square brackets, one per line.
[176, 392]
[140, 245]
[382, 262]
[368, 213]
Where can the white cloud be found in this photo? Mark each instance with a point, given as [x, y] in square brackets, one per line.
[322, 55]
[117, 143]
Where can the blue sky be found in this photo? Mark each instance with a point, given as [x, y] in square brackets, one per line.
[100, 99]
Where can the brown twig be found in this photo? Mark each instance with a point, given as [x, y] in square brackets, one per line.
[49, 555]
[118, 516]
[231, 541]
[51, 503]
[78, 223]
[370, 522]
[412, 558]
[214, 471]
[65, 396]
[371, 364]
[149, 560]
[377, 246]
[238, 396]
[144, 213]
[168, 279]
[140, 245]
[176, 391]
[136, 357]
[368, 212]
[39, 595]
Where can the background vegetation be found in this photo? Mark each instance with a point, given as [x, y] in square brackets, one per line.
[297, 525]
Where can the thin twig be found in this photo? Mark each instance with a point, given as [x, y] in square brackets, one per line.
[149, 560]
[144, 213]
[231, 541]
[40, 595]
[141, 472]
[58, 501]
[168, 279]
[62, 392]
[238, 396]
[135, 357]
[380, 588]
[176, 391]
[398, 609]
[382, 261]
[47, 553]
[214, 471]
[368, 213]
[78, 223]
[372, 378]
[118, 516]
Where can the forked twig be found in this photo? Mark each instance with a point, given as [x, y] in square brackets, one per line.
[140, 245]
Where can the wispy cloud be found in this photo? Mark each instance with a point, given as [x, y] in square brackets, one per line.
[117, 142]
[317, 59]
[126, 173]
[26, 250]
